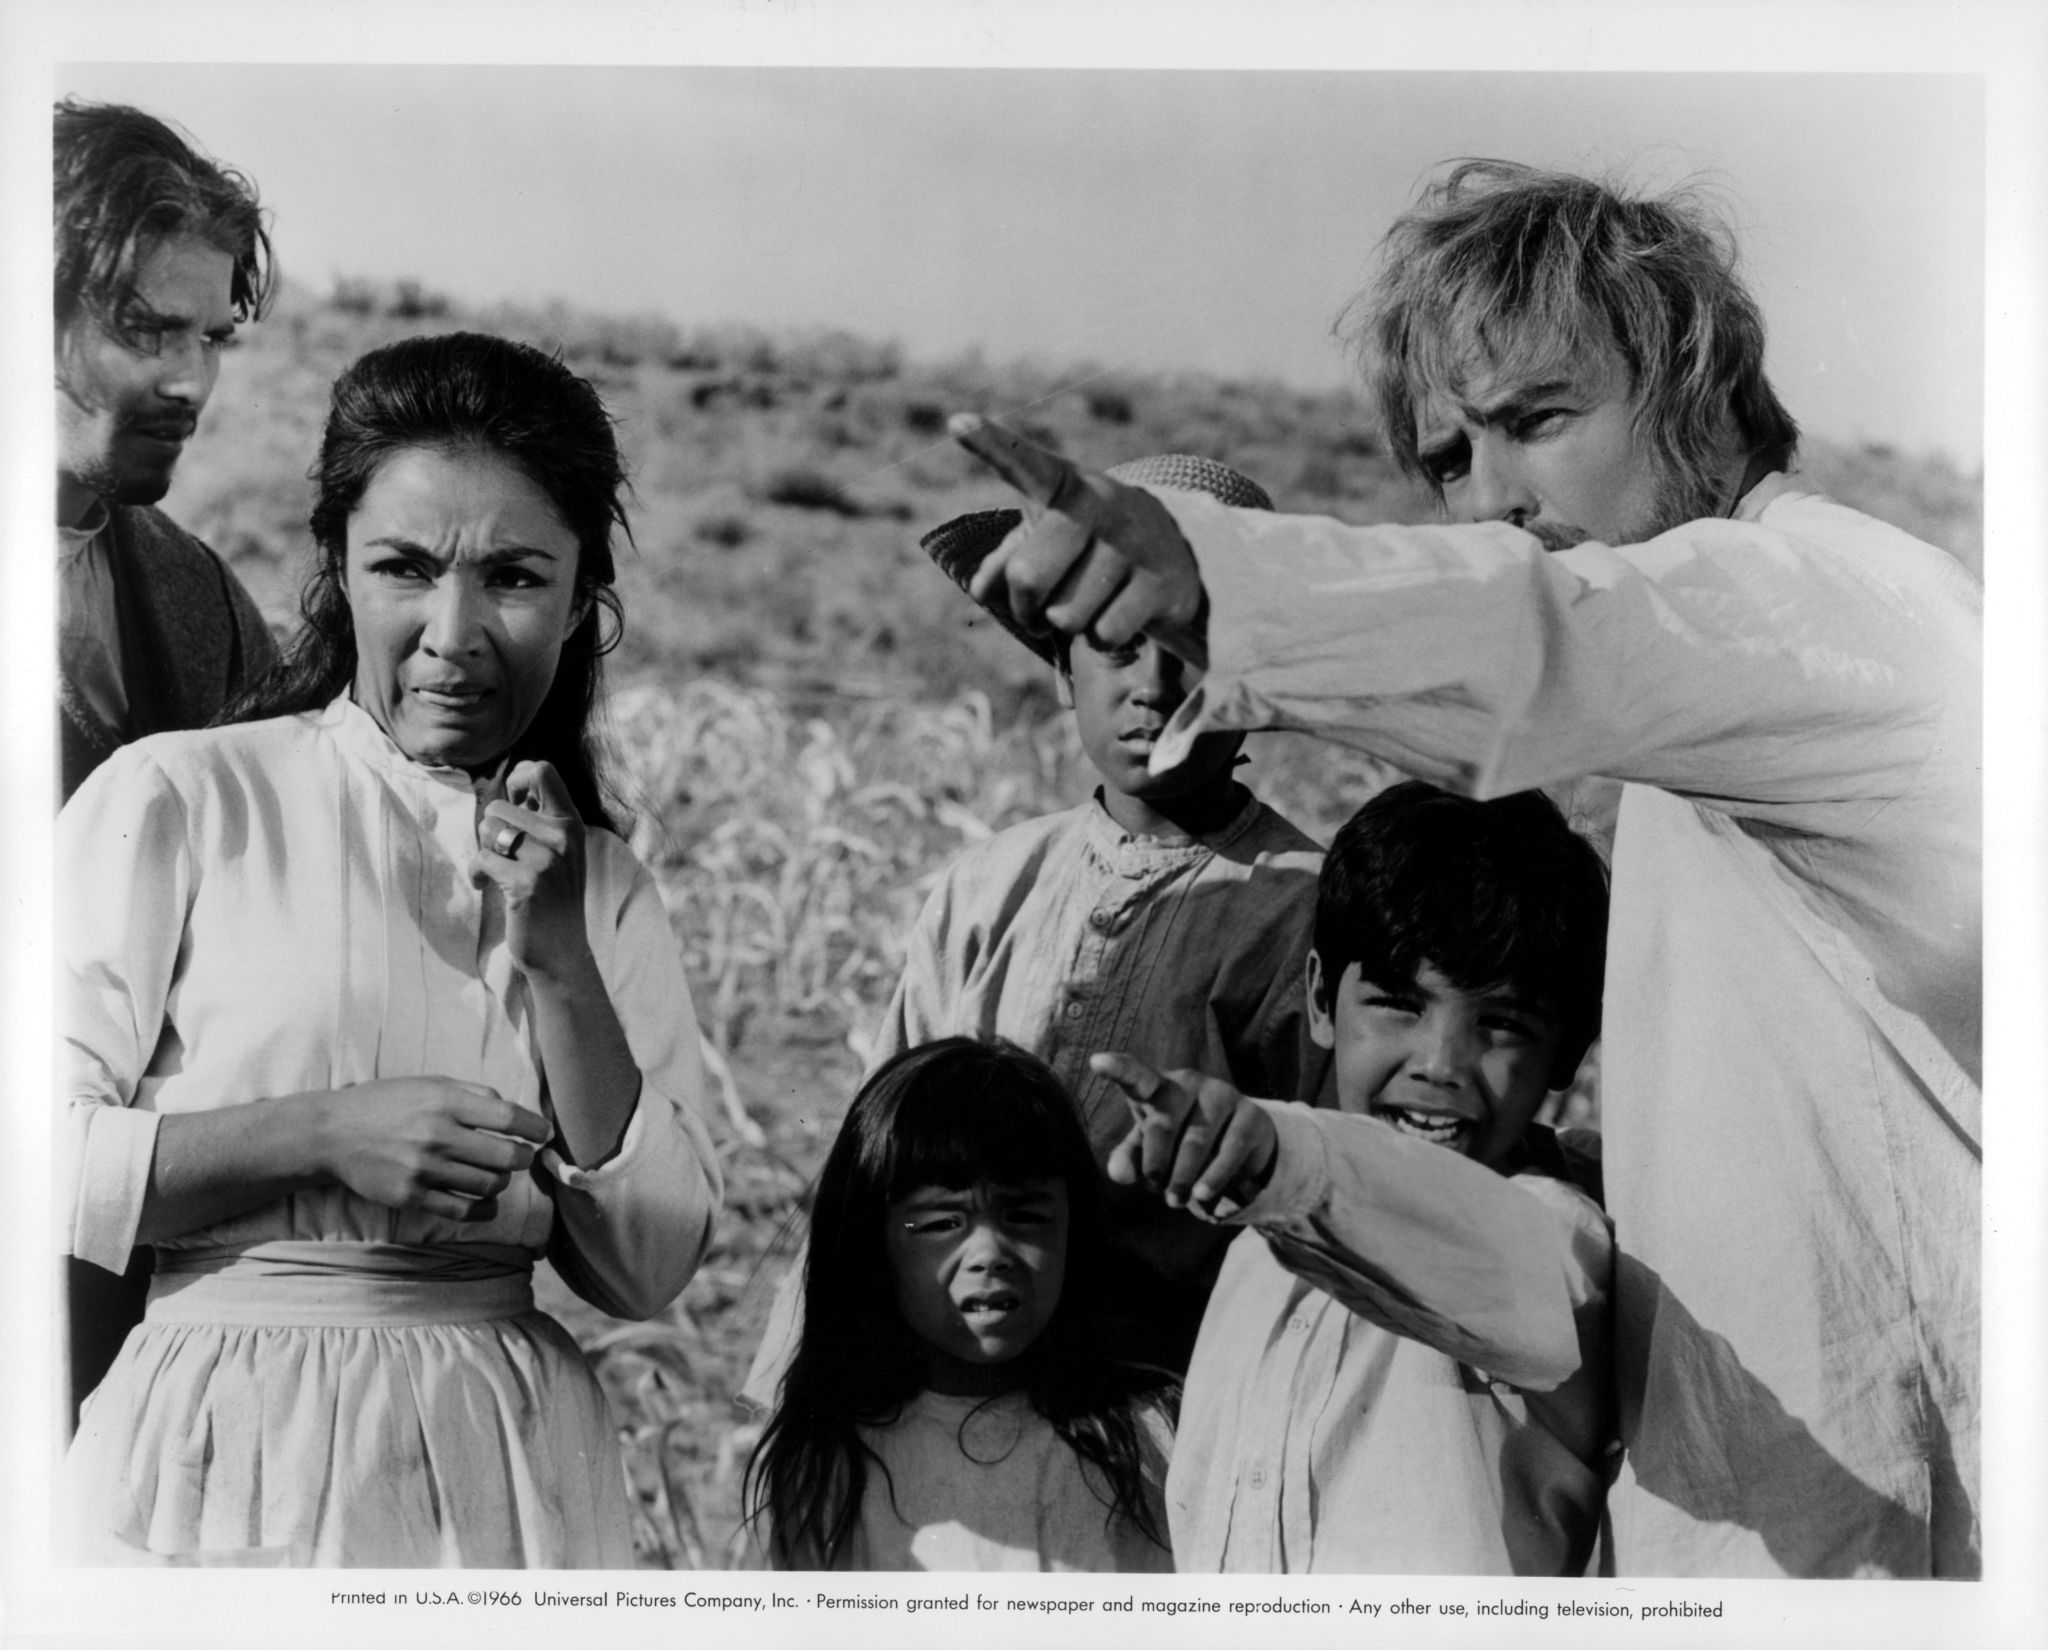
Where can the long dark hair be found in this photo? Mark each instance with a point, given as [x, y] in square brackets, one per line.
[465, 390]
[954, 1113]
[125, 183]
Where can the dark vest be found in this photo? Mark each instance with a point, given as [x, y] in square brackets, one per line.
[190, 640]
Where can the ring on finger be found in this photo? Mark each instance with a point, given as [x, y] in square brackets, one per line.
[505, 840]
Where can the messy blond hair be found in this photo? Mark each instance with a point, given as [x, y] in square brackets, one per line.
[1513, 270]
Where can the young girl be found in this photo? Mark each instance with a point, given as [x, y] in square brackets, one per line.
[949, 1407]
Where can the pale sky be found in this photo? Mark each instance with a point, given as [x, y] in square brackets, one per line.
[1163, 219]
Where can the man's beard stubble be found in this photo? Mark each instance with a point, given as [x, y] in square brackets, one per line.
[125, 486]
[1681, 496]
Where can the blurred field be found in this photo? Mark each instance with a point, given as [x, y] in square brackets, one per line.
[809, 720]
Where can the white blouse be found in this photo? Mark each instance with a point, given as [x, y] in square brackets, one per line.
[283, 906]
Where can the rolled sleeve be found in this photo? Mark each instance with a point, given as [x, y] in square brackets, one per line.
[110, 1154]
[124, 871]
[1300, 1181]
[631, 1230]
[1430, 1245]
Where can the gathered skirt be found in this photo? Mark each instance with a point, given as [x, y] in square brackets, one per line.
[347, 1404]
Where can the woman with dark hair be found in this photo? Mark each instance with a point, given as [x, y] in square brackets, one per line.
[949, 1405]
[368, 1010]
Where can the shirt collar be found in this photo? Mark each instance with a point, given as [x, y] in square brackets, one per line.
[73, 540]
[1129, 848]
[357, 732]
[1766, 492]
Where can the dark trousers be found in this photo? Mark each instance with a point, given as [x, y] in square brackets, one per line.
[102, 1308]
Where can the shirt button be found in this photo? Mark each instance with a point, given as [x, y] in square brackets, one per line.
[1075, 1011]
[1258, 1478]
[1099, 918]
[1297, 1323]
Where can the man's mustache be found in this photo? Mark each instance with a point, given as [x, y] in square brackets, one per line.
[164, 429]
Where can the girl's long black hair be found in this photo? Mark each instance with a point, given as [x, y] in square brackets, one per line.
[954, 1113]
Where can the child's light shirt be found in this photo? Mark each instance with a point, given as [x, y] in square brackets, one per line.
[1403, 1368]
[1069, 935]
[987, 1484]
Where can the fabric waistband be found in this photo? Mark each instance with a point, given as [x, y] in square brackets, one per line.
[292, 1283]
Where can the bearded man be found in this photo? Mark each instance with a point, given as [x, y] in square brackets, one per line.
[159, 252]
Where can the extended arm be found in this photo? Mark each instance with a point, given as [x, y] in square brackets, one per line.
[1800, 668]
[1489, 1270]
[1509, 1276]
[1799, 674]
